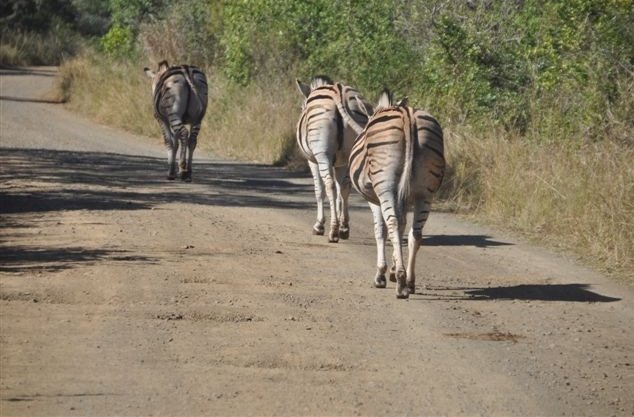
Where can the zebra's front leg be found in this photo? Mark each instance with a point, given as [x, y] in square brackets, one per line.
[318, 227]
[343, 192]
[183, 138]
[421, 213]
[380, 232]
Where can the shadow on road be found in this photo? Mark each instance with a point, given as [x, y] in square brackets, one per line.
[25, 258]
[64, 180]
[40, 71]
[480, 241]
[30, 100]
[39, 181]
[534, 292]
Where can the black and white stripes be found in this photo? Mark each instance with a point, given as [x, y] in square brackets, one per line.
[397, 163]
[325, 140]
[179, 99]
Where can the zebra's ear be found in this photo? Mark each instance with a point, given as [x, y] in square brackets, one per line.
[303, 88]
[148, 72]
[163, 65]
[403, 102]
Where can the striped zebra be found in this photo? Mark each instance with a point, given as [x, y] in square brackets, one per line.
[180, 98]
[325, 141]
[397, 163]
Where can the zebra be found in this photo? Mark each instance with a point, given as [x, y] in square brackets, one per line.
[325, 141]
[397, 162]
[180, 98]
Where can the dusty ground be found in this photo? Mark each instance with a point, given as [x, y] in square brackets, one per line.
[124, 294]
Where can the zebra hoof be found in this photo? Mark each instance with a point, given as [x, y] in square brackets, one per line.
[402, 295]
[171, 177]
[344, 234]
[318, 231]
[379, 282]
[392, 276]
[186, 176]
[334, 239]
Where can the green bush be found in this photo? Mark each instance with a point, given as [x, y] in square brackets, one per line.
[118, 42]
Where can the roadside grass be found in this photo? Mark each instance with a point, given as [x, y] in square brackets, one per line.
[577, 196]
[113, 93]
[19, 48]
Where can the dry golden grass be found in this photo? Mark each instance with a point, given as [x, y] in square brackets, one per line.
[255, 123]
[18, 48]
[116, 94]
[578, 198]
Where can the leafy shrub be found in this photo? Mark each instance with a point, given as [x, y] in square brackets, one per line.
[118, 42]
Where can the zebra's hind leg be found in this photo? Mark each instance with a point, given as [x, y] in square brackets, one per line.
[343, 192]
[380, 231]
[318, 227]
[183, 137]
[394, 223]
[421, 212]
[326, 174]
[191, 146]
[171, 144]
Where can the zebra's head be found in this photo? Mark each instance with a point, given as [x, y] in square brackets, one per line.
[155, 76]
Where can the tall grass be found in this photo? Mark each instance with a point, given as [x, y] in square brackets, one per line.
[578, 198]
[113, 93]
[19, 48]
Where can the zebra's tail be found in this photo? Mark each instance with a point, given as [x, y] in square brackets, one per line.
[342, 106]
[406, 175]
[187, 73]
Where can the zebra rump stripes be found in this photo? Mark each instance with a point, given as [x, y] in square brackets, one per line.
[180, 98]
[325, 140]
[397, 163]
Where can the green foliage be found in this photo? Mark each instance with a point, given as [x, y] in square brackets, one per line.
[36, 16]
[355, 41]
[131, 13]
[118, 42]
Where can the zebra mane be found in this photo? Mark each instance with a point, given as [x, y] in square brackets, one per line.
[320, 80]
[385, 100]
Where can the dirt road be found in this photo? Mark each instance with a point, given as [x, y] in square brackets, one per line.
[124, 294]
